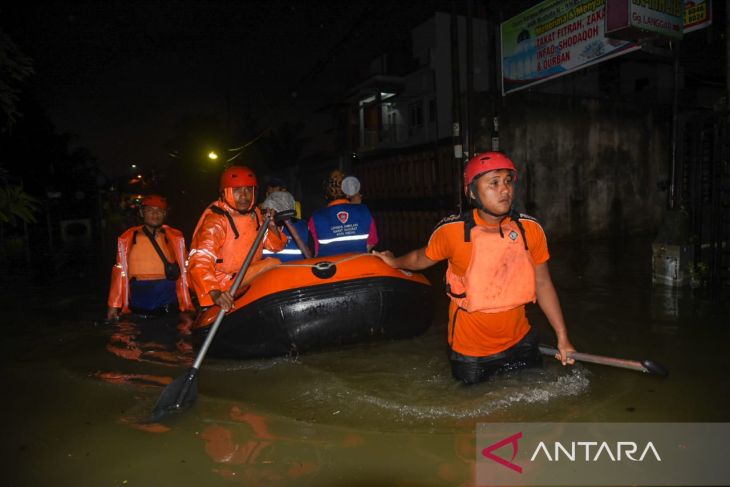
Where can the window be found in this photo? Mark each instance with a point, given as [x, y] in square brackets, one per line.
[416, 114]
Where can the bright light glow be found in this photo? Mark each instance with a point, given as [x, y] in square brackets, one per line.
[134, 166]
[212, 155]
[385, 96]
[367, 100]
[139, 176]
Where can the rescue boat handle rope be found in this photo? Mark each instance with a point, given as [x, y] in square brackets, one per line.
[327, 262]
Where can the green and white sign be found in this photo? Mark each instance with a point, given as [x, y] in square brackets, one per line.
[554, 38]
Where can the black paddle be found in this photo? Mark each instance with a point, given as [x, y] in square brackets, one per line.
[646, 366]
[183, 391]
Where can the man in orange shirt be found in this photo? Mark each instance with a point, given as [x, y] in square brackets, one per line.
[497, 263]
[224, 235]
[149, 275]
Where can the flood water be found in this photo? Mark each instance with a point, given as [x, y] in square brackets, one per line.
[75, 389]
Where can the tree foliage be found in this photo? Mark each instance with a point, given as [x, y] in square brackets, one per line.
[16, 205]
[15, 67]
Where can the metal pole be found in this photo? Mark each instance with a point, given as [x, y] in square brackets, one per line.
[672, 203]
[456, 106]
[727, 55]
[469, 109]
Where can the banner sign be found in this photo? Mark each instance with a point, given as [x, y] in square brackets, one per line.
[585, 454]
[554, 38]
[697, 14]
[635, 19]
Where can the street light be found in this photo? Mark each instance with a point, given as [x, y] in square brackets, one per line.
[212, 155]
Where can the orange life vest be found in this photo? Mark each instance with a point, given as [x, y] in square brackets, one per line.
[143, 260]
[501, 272]
[220, 244]
[122, 272]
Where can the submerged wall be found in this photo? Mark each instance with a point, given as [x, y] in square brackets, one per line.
[588, 167]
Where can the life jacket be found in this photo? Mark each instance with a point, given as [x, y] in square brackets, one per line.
[236, 244]
[143, 260]
[221, 242]
[501, 272]
[342, 228]
[292, 250]
[119, 288]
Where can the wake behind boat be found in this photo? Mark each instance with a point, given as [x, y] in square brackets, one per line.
[318, 303]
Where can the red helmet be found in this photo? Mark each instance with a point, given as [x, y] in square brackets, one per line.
[155, 200]
[238, 177]
[486, 161]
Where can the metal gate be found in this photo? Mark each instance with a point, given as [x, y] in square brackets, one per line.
[705, 192]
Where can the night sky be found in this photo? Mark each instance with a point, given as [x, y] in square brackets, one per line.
[119, 75]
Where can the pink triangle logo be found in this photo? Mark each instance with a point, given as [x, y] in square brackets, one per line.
[487, 452]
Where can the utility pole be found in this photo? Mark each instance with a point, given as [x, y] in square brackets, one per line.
[456, 107]
[672, 196]
[727, 56]
[469, 108]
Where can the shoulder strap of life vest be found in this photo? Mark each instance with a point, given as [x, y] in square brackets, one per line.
[155, 245]
[221, 211]
[516, 216]
[469, 223]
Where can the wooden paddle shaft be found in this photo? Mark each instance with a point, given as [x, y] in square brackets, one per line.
[599, 359]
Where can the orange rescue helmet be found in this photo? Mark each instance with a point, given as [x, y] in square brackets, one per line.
[485, 162]
[155, 200]
[238, 177]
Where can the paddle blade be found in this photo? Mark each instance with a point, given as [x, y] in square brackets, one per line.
[176, 397]
[655, 368]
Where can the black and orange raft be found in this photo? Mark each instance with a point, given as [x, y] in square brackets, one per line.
[318, 303]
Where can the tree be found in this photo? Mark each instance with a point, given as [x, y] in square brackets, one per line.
[15, 67]
[16, 205]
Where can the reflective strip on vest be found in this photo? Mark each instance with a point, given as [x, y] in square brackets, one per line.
[283, 252]
[343, 239]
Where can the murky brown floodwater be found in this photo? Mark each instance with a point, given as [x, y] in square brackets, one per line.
[379, 414]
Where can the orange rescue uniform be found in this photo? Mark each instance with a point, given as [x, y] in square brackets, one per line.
[219, 249]
[479, 333]
[137, 258]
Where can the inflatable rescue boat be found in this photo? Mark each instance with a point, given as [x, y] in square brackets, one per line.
[317, 303]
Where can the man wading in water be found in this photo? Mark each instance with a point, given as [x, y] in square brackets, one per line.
[497, 263]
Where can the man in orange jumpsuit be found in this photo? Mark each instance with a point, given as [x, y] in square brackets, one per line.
[497, 263]
[149, 275]
[224, 235]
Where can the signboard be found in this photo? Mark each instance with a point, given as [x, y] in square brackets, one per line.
[554, 38]
[636, 19]
[697, 14]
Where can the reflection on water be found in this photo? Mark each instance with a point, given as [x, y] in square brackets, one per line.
[375, 414]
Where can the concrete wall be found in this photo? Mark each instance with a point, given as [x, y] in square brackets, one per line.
[588, 167]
